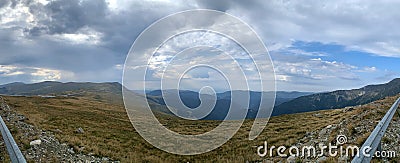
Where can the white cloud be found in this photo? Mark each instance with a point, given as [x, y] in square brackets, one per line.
[46, 74]
[11, 17]
[83, 36]
[8, 70]
[283, 78]
[316, 69]
[369, 69]
[367, 26]
[119, 67]
[305, 53]
[34, 74]
[44, 2]
[15, 73]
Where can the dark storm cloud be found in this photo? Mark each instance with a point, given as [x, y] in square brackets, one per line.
[119, 29]
[4, 3]
[225, 5]
[58, 17]
[38, 44]
[222, 5]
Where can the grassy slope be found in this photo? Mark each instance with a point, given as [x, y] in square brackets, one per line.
[108, 131]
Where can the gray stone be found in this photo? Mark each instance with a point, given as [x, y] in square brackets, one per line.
[291, 159]
[80, 130]
[318, 115]
[342, 159]
[321, 159]
[35, 142]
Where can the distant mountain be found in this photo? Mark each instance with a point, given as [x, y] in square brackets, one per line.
[285, 103]
[281, 96]
[339, 99]
[51, 87]
[191, 100]
[99, 91]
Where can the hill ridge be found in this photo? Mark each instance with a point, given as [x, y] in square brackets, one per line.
[339, 98]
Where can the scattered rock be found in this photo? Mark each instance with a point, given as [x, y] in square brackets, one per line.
[291, 159]
[318, 115]
[80, 130]
[58, 131]
[347, 109]
[342, 159]
[321, 159]
[71, 150]
[328, 127]
[35, 142]
[45, 147]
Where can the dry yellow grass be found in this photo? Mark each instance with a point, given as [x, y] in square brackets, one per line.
[109, 133]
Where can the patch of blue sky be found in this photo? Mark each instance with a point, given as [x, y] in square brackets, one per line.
[340, 53]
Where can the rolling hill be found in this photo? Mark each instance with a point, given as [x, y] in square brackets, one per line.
[110, 92]
[109, 135]
[339, 99]
[58, 88]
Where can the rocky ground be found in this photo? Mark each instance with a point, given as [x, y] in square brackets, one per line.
[38, 145]
[358, 125]
[3, 151]
[358, 121]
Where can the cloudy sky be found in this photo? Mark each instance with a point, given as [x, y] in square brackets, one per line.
[319, 46]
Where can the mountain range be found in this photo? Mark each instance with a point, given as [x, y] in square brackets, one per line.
[339, 98]
[285, 103]
[223, 100]
[58, 88]
[110, 92]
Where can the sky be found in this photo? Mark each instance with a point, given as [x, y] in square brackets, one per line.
[318, 46]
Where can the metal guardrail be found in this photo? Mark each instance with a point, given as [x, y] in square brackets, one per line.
[12, 147]
[373, 142]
